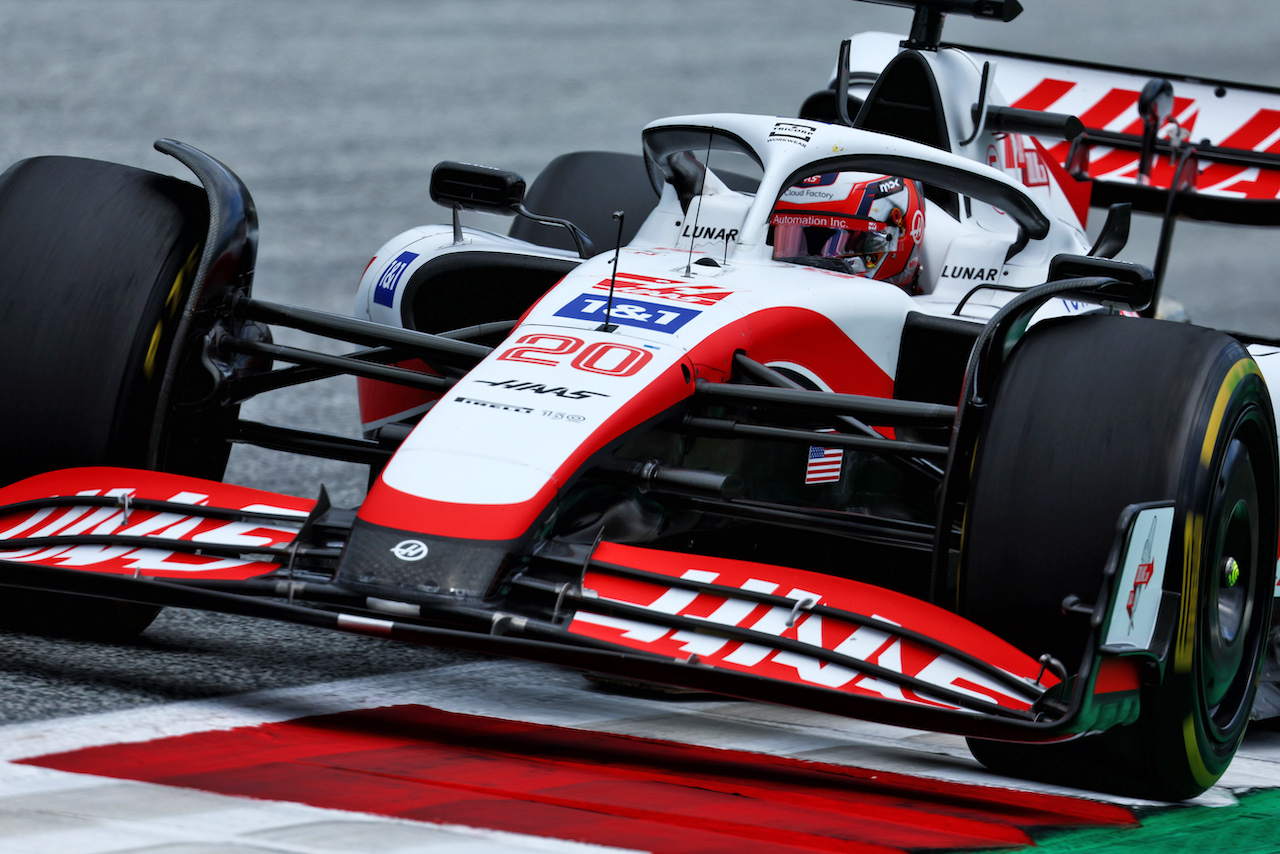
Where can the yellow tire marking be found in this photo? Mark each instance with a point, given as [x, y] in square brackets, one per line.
[1195, 762]
[1184, 650]
[1234, 377]
[1193, 536]
[149, 364]
[171, 302]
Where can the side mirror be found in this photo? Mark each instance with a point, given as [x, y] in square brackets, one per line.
[1125, 286]
[466, 186]
[476, 188]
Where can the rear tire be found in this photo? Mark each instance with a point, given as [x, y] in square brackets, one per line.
[1090, 415]
[96, 263]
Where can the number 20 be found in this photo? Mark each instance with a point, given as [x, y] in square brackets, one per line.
[601, 357]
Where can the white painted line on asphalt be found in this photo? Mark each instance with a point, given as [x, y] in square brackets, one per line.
[53, 812]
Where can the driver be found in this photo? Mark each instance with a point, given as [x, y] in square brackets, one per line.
[855, 223]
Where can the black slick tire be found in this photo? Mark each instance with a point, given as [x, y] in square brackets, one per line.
[1090, 415]
[96, 262]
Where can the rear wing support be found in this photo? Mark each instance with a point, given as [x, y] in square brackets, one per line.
[1155, 107]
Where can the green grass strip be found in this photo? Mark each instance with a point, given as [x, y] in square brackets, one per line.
[1250, 827]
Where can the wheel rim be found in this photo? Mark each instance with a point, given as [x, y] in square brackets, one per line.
[1230, 634]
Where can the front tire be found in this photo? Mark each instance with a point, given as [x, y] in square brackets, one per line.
[1090, 415]
[96, 260]
[96, 263]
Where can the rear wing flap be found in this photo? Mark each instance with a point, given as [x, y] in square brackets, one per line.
[1216, 142]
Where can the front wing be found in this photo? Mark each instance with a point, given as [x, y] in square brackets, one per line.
[748, 630]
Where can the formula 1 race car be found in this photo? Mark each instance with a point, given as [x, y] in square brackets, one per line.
[840, 410]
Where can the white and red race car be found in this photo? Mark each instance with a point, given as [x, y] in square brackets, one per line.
[842, 410]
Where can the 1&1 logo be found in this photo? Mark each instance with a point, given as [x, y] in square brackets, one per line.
[629, 312]
[384, 292]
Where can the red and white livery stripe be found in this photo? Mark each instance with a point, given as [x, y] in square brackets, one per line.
[875, 646]
[130, 521]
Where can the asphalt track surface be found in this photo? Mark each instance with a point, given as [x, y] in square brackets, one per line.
[334, 113]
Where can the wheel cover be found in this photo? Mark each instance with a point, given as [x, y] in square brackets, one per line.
[1231, 634]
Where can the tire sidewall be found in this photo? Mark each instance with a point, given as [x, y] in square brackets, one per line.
[1178, 711]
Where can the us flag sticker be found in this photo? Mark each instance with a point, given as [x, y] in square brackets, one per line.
[824, 464]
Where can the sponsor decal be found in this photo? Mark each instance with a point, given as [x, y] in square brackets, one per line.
[644, 315]
[1142, 569]
[1021, 163]
[563, 416]
[804, 195]
[821, 220]
[410, 550]
[710, 232]
[666, 289]
[1142, 577]
[794, 133]
[506, 407]
[917, 226]
[970, 274]
[539, 388]
[815, 188]
[384, 292]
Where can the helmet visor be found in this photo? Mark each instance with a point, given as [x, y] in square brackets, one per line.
[802, 235]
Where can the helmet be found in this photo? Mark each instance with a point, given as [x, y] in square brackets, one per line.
[853, 222]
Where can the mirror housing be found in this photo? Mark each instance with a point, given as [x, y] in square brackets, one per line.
[1127, 287]
[466, 186]
[470, 187]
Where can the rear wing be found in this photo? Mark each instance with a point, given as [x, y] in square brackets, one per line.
[1145, 132]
